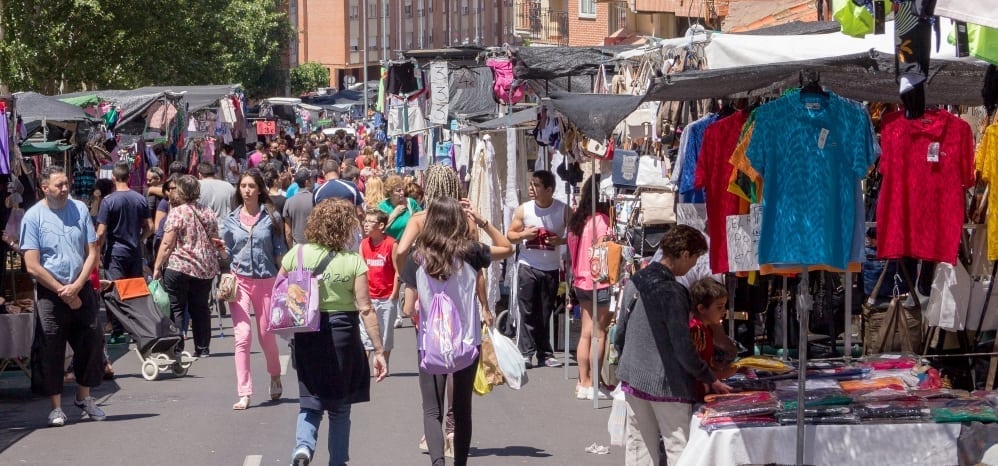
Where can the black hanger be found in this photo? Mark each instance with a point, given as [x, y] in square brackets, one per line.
[810, 83]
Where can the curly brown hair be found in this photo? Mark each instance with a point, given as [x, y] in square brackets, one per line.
[683, 238]
[392, 183]
[332, 223]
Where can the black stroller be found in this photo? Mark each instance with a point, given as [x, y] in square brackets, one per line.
[156, 337]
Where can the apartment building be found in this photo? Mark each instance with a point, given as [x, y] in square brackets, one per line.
[332, 32]
[606, 22]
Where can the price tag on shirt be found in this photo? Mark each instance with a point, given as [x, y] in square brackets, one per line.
[822, 138]
[933, 152]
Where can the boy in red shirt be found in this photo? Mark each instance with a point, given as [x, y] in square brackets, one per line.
[710, 301]
[378, 251]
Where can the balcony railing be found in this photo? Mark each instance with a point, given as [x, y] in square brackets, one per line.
[617, 19]
[542, 25]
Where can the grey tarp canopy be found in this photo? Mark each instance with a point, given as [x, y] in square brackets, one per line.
[33, 108]
[133, 103]
[558, 62]
[513, 120]
[860, 77]
[595, 115]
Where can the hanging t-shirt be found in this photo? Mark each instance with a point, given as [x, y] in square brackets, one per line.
[987, 163]
[695, 132]
[380, 268]
[811, 150]
[927, 165]
[712, 173]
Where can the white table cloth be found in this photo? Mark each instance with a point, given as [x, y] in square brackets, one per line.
[858, 444]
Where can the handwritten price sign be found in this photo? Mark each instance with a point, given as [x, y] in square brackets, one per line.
[743, 240]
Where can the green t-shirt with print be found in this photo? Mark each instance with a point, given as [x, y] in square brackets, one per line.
[336, 282]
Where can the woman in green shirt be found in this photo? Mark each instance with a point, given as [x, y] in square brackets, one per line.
[333, 370]
[398, 207]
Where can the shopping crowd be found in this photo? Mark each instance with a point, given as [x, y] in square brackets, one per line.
[385, 247]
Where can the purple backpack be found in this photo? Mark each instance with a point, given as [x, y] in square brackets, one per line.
[294, 305]
[442, 349]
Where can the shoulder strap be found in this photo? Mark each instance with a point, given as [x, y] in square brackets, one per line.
[323, 263]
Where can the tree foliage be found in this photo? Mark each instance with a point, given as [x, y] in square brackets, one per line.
[54, 46]
[308, 76]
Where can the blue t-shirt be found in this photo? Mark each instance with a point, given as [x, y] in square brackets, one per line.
[810, 151]
[339, 189]
[164, 207]
[291, 191]
[687, 190]
[60, 237]
[124, 213]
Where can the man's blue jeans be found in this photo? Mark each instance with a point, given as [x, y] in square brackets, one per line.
[339, 432]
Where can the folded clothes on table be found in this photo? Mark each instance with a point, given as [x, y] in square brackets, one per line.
[837, 419]
[737, 422]
[717, 399]
[740, 410]
[880, 362]
[869, 385]
[830, 400]
[839, 373]
[892, 410]
[979, 411]
[763, 363]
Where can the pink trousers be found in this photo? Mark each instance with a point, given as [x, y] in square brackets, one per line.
[252, 293]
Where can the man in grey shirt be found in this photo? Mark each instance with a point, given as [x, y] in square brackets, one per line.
[298, 208]
[216, 194]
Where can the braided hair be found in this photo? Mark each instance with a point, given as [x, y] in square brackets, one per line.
[441, 181]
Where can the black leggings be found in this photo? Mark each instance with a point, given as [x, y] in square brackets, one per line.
[433, 388]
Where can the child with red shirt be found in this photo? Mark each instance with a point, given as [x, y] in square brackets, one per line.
[710, 300]
[378, 251]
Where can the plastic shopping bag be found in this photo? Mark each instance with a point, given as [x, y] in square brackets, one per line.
[160, 297]
[488, 374]
[514, 369]
[617, 424]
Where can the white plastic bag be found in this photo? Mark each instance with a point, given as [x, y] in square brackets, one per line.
[617, 424]
[514, 370]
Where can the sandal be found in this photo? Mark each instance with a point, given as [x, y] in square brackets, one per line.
[242, 404]
[276, 390]
[597, 449]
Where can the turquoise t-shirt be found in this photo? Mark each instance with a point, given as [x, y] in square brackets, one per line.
[397, 227]
[60, 237]
[810, 150]
[337, 280]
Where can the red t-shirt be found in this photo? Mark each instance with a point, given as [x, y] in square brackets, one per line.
[380, 269]
[713, 173]
[703, 340]
[920, 210]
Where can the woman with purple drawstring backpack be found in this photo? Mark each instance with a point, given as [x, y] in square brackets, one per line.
[442, 274]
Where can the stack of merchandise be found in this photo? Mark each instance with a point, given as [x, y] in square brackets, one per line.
[824, 403]
[738, 410]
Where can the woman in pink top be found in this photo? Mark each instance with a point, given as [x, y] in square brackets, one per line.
[584, 229]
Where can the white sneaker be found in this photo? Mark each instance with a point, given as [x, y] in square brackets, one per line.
[301, 457]
[582, 393]
[602, 395]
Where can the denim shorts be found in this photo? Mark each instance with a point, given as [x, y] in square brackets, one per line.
[602, 295]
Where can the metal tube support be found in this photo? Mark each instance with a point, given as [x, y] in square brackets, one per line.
[730, 280]
[803, 307]
[847, 351]
[594, 351]
[785, 321]
[565, 324]
[367, 63]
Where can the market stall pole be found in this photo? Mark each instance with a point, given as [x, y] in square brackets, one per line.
[803, 307]
[363, 14]
[594, 350]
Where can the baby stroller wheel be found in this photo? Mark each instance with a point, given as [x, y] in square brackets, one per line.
[179, 369]
[150, 370]
[186, 356]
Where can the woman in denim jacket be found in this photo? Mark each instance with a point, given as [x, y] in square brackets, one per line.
[254, 239]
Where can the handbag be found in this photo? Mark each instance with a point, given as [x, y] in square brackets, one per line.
[599, 150]
[898, 327]
[657, 208]
[646, 239]
[605, 261]
[295, 299]
[226, 287]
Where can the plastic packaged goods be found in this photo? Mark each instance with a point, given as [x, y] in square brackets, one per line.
[830, 400]
[965, 414]
[892, 410]
[739, 422]
[748, 408]
[869, 385]
[881, 362]
[940, 393]
[838, 419]
[763, 363]
[885, 394]
[759, 396]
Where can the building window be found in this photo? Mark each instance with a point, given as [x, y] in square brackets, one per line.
[587, 8]
[421, 12]
[354, 13]
[372, 9]
[372, 42]
[354, 46]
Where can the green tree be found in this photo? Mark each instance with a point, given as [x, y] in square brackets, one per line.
[55, 46]
[308, 76]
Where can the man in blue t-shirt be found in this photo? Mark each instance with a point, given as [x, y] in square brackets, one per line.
[123, 225]
[334, 187]
[60, 250]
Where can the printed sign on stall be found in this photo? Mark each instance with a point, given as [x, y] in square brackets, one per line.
[743, 240]
[266, 128]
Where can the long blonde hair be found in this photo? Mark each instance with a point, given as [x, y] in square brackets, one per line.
[374, 192]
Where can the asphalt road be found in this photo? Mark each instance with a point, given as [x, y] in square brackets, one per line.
[189, 420]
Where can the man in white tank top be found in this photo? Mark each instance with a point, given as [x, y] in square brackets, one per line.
[540, 226]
